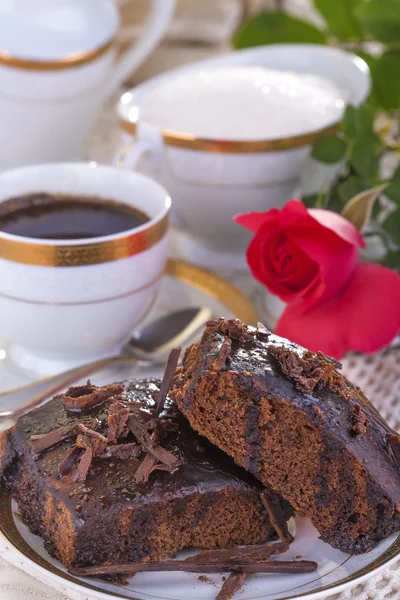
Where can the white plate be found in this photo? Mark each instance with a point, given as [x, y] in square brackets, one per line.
[187, 286]
[336, 572]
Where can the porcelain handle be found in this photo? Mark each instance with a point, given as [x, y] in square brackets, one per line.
[148, 140]
[154, 29]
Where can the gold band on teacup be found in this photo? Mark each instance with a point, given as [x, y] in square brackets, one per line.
[191, 142]
[46, 255]
[75, 59]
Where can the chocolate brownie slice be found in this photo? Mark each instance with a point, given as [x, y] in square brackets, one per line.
[287, 416]
[105, 475]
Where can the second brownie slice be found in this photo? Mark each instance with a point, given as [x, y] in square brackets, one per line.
[293, 421]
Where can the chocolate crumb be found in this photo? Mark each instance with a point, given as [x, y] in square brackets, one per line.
[360, 421]
[224, 354]
[205, 579]
[309, 371]
[233, 328]
[118, 415]
[262, 333]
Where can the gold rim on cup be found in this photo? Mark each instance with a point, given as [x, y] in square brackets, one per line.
[192, 142]
[48, 255]
[75, 59]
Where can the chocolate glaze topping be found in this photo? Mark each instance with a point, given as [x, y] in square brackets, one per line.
[116, 475]
[313, 384]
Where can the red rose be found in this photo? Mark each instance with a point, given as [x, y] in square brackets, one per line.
[309, 259]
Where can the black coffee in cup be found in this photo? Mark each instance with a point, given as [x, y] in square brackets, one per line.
[65, 217]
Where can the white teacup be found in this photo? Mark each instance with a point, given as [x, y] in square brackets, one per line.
[57, 67]
[68, 302]
[213, 179]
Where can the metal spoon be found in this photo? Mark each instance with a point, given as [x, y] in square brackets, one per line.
[151, 344]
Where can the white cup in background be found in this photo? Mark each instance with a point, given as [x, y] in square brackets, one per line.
[211, 180]
[57, 67]
[68, 302]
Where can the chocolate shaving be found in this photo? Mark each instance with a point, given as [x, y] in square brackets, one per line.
[232, 585]
[116, 420]
[233, 328]
[169, 372]
[123, 451]
[144, 469]
[266, 566]
[262, 333]
[309, 371]
[84, 466]
[276, 515]
[97, 443]
[83, 397]
[68, 461]
[224, 355]
[246, 554]
[56, 436]
[143, 437]
[360, 421]
[52, 438]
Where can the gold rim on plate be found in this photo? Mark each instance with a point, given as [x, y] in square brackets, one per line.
[10, 533]
[192, 142]
[75, 59]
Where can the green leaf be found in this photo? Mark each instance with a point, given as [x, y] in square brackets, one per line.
[334, 202]
[363, 159]
[276, 27]
[358, 210]
[392, 226]
[350, 187]
[349, 122]
[387, 79]
[329, 149]
[392, 260]
[393, 192]
[340, 18]
[365, 120]
[309, 201]
[363, 152]
[380, 19]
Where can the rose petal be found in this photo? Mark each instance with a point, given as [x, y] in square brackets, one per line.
[253, 220]
[363, 317]
[261, 257]
[339, 225]
[336, 260]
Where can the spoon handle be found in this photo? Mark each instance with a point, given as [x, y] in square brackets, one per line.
[28, 397]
